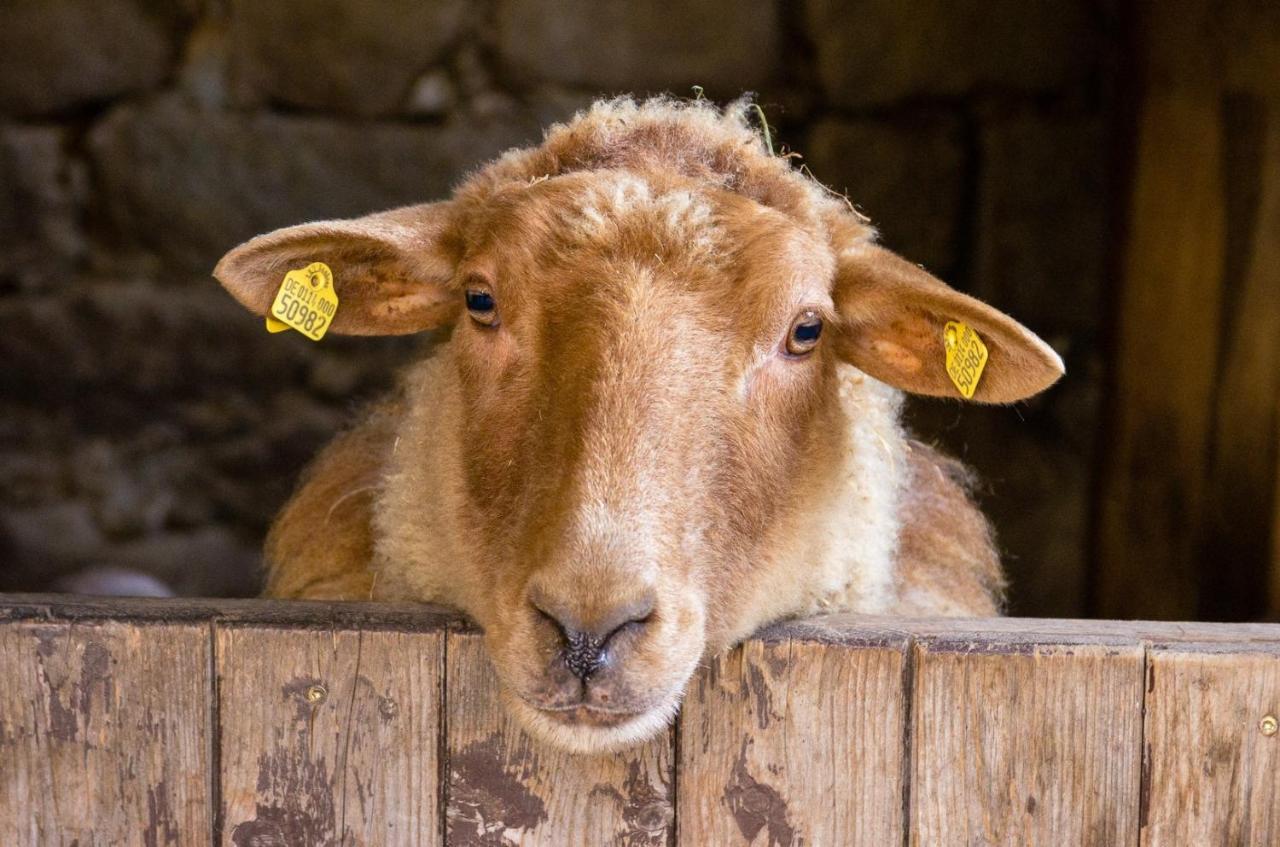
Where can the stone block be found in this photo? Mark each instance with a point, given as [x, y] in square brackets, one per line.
[42, 195]
[191, 185]
[643, 45]
[59, 55]
[339, 55]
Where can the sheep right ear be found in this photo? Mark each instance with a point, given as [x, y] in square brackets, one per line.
[894, 317]
[392, 271]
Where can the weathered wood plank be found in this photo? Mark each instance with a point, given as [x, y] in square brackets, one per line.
[1236, 535]
[329, 737]
[788, 742]
[408, 617]
[301, 614]
[1273, 604]
[1020, 632]
[1212, 773]
[104, 734]
[1038, 746]
[505, 788]
[1188, 488]
[1165, 364]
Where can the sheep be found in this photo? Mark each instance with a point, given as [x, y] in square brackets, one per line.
[668, 413]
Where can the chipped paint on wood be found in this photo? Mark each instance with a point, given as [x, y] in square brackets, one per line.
[757, 806]
[329, 737]
[506, 788]
[1013, 732]
[786, 742]
[104, 733]
[488, 797]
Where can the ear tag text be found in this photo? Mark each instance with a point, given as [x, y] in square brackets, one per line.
[966, 357]
[306, 302]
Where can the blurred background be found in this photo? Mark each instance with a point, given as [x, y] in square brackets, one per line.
[1107, 171]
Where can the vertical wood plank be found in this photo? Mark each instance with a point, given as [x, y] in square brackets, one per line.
[1243, 449]
[787, 742]
[1186, 490]
[1026, 744]
[506, 788]
[329, 737]
[104, 734]
[1212, 774]
[1273, 603]
[1165, 365]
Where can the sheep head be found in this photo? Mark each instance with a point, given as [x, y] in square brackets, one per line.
[650, 317]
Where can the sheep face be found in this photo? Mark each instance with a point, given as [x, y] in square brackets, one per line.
[644, 399]
[639, 409]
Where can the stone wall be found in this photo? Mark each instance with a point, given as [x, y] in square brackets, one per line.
[146, 422]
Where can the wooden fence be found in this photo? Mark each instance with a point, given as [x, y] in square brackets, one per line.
[259, 724]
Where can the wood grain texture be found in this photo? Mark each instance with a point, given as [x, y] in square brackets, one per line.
[1166, 363]
[1012, 634]
[505, 788]
[1188, 494]
[1273, 593]
[1022, 732]
[104, 734]
[1237, 524]
[1212, 776]
[408, 617]
[786, 742]
[329, 737]
[1016, 745]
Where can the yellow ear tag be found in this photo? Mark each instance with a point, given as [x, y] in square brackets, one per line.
[306, 302]
[966, 357]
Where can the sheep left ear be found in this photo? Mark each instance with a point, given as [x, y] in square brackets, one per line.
[391, 270]
[894, 314]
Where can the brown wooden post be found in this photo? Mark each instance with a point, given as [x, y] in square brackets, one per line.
[104, 733]
[506, 788]
[329, 736]
[1212, 757]
[780, 743]
[1187, 485]
[1058, 762]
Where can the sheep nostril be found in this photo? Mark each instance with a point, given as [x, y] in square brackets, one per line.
[586, 650]
[546, 616]
[584, 653]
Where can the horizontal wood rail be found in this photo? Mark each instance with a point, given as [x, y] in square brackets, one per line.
[254, 723]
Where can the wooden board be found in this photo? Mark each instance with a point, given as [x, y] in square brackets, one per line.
[1026, 744]
[1273, 603]
[785, 742]
[1187, 490]
[1021, 732]
[329, 737]
[104, 734]
[1165, 366]
[1213, 776]
[505, 788]
[1237, 530]
[415, 618]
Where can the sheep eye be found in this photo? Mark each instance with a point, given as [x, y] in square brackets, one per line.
[482, 307]
[805, 332]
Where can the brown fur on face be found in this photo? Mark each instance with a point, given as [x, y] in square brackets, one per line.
[623, 468]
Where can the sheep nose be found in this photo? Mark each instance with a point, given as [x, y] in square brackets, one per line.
[585, 642]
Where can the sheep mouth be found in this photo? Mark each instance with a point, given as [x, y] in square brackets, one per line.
[589, 716]
[581, 728]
